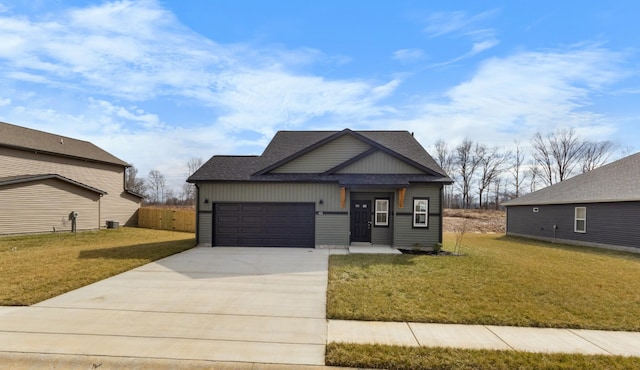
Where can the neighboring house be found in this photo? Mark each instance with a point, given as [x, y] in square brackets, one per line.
[600, 208]
[45, 177]
[323, 189]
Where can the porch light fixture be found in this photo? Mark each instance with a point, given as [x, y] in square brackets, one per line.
[321, 201]
[206, 200]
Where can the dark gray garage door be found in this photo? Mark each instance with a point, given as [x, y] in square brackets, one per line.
[264, 224]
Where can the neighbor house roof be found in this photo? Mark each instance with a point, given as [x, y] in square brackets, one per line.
[617, 181]
[288, 145]
[11, 180]
[27, 139]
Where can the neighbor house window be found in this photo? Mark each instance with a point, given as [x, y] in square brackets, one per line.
[420, 212]
[382, 212]
[580, 224]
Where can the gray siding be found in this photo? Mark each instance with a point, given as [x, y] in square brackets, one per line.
[44, 206]
[332, 221]
[330, 227]
[614, 224]
[271, 192]
[404, 234]
[325, 157]
[115, 205]
[380, 163]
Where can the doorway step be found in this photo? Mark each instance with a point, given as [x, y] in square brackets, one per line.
[368, 248]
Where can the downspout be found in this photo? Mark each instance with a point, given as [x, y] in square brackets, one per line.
[197, 214]
[441, 212]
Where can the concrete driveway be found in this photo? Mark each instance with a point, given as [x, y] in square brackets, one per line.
[214, 304]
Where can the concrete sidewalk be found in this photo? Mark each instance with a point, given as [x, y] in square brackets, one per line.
[545, 340]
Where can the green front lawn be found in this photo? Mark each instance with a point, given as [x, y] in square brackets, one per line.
[499, 281]
[37, 267]
[416, 358]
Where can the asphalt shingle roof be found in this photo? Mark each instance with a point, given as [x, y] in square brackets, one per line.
[21, 179]
[617, 181]
[288, 144]
[23, 138]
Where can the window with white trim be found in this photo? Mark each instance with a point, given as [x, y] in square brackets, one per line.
[382, 212]
[420, 212]
[580, 223]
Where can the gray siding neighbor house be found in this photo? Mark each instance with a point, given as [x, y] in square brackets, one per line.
[600, 208]
[323, 189]
[44, 178]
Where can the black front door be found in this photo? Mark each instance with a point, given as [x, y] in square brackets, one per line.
[361, 221]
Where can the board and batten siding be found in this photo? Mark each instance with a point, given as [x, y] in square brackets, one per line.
[380, 163]
[45, 206]
[332, 229]
[608, 224]
[404, 234]
[325, 157]
[332, 221]
[116, 205]
[329, 227]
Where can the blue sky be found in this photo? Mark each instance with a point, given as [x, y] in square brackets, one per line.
[159, 82]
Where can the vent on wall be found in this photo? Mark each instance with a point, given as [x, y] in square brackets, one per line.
[535, 209]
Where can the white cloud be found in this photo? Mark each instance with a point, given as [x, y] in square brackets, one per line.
[408, 55]
[481, 46]
[459, 24]
[513, 97]
[137, 51]
[442, 23]
[261, 101]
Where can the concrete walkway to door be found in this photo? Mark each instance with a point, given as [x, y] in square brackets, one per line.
[252, 305]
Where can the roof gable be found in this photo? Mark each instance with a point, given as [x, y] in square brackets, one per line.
[289, 151]
[379, 162]
[617, 181]
[13, 180]
[323, 157]
[399, 144]
[23, 138]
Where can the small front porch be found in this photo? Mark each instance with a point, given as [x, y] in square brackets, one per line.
[368, 248]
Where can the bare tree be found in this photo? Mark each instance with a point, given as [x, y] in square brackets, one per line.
[534, 175]
[157, 184]
[491, 163]
[445, 161]
[134, 183]
[189, 190]
[194, 164]
[557, 154]
[466, 161]
[595, 154]
[515, 169]
[542, 159]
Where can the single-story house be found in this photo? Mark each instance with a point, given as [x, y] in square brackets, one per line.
[599, 208]
[52, 183]
[323, 189]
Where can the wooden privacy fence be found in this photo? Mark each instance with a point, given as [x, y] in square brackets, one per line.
[167, 219]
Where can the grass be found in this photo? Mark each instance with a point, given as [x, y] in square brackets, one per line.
[37, 267]
[499, 281]
[396, 357]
